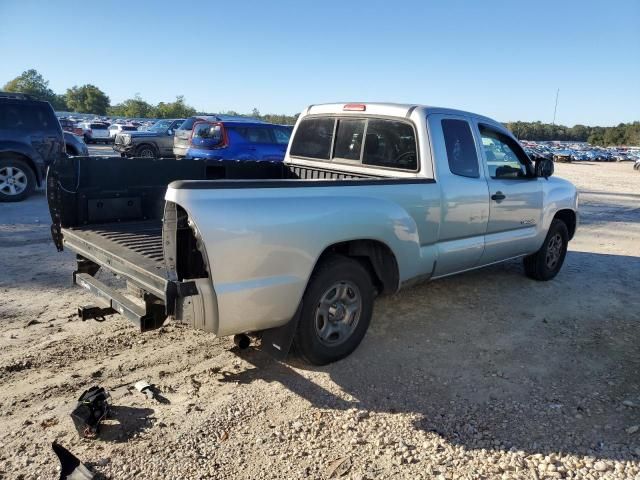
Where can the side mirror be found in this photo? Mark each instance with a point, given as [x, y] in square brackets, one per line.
[170, 131]
[544, 168]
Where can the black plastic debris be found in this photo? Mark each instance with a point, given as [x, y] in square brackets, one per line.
[91, 409]
[71, 468]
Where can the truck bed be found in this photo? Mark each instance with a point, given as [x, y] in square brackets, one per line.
[143, 238]
[109, 211]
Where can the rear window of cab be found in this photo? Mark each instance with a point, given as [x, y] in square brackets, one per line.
[379, 142]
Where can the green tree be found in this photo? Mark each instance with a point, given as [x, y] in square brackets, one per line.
[134, 107]
[622, 134]
[177, 109]
[33, 83]
[59, 103]
[87, 99]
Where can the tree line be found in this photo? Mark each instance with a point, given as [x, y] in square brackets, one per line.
[621, 134]
[90, 99]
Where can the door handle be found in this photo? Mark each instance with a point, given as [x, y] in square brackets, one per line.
[498, 196]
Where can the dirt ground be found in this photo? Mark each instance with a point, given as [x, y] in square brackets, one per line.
[483, 375]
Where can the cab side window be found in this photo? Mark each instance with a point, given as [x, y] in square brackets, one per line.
[461, 149]
[505, 158]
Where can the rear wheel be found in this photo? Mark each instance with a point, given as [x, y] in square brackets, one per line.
[17, 180]
[547, 262]
[336, 311]
[146, 151]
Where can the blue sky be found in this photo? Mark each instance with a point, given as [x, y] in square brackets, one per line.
[504, 59]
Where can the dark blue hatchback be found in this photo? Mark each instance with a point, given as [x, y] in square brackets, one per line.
[238, 140]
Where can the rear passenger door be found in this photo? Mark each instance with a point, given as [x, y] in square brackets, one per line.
[464, 193]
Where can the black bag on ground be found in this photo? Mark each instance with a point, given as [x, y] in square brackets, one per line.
[91, 409]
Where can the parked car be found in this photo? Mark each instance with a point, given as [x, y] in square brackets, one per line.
[370, 198]
[620, 156]
[182, 138]
[70, 126]
[74, 144]
[237, 140]
[562, 156]
[94, 132]
[119, 128]
[30, 140]
[153, 143]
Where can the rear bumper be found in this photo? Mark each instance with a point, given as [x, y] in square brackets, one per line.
[204, 154]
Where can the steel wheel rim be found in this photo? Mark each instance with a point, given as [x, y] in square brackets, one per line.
[13, 180]
[146, 153]
[338, 313]
[554, 251]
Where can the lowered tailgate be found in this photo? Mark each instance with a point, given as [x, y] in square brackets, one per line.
[131, 249]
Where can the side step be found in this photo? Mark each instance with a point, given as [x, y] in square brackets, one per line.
[111, 302]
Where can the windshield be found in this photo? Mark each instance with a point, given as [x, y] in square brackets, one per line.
[160, 126]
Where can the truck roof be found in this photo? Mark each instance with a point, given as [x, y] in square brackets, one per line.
[385, 109]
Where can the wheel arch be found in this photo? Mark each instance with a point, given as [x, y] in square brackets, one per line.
[569, 218]
[374, 255]
[71, 149]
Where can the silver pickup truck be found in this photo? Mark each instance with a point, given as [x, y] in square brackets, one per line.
[370, 198]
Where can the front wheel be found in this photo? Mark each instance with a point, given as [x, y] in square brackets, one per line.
[547, 262]
[336, 311]
[146, 151]
[17, 180]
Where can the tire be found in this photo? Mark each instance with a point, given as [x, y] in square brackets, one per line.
[146, 151]
[336, 311]
[547, 262]
[17, 180]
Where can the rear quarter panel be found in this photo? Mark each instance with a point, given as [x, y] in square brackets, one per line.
[262, 244]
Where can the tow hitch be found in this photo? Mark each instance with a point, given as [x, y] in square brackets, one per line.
[149, 317]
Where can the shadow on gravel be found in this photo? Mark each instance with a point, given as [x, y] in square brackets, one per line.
[493, 360]
[125, 422]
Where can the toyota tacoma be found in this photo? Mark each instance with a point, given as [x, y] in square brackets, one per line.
[370, 198]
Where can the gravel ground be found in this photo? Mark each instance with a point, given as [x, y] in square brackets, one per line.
[483, 375]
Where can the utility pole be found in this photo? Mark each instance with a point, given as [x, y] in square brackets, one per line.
[555, 109]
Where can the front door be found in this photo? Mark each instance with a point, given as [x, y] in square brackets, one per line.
[515, 205]
[465, 198]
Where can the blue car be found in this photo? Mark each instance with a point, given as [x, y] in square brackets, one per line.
[214, 139]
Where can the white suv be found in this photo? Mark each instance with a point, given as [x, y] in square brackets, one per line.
[94, 132]
[116, 129]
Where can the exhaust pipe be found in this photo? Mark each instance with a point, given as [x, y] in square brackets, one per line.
[242, 341]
